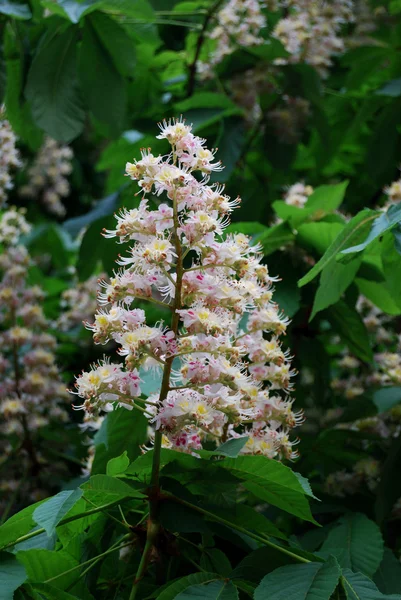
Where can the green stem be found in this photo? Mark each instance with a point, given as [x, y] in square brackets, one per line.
[198, 48]
[91, 560]
[255, 536]
[154, 489]
[94, 563]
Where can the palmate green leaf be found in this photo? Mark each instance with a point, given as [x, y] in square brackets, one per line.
[116, 41]
[205, 100]
[286, 292]
[255, 565]
[386, 398]
[102, 489]
[379, 295]
[117, 465]
[334, 280]
[67, 531]
[230, 144]
[395, 7]
[383, 146]
[313, 581]
[73, 10]
[12, 575]
[318, 235]
[17, 10]
[216, 590]
[205, 108]
[150, 381]
[391, 261]
[182, 520]
[121, 431]
[88, 260]
[294, 215]
[102, 84]
[359, 587]
[274, 238]
[142, 466]
[170, 592]
[396, 232]
[305, 485]
[379, 227]
[272, 482]
[213, 559]
[52, 86]
[388, 576]
[18, 111]
[357, 543]
[355, 230]
[324, 200]
[49, 513]
[45, 591]
[42, 540]
[327, 197]
[138, 9]
[42, 565]
[248, 517]
[18, 525]
[287, 295]
[232, 447]
[389, 487]
[348, 323]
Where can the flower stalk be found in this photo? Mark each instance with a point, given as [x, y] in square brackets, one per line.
[153, 525]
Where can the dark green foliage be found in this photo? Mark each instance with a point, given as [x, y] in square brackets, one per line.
[98, 75]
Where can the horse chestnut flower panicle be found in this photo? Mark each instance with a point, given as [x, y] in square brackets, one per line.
[31, 388]
[48, 176]
[230, 377]
[9, 158]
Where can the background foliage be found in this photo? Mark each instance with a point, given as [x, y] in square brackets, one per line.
[97, 75]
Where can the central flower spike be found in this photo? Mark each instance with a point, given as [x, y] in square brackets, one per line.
[230, 376]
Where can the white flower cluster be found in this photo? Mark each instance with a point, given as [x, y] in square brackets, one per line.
[230, 377]
[366, 472]
[13, 225]
[298, 194]
[9, 158]
[310, 32]
[30, 386]
[47, 176]
[78, 303]
[239, 23]
[393, 191]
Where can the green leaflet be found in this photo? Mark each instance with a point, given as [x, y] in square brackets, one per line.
[271, 481]
[216, 590]
[52, 87]
[357, 543]
[49, 513]
[359, 587]
[313, 581]
[354, 231]
[171, 591]
[12, 575]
